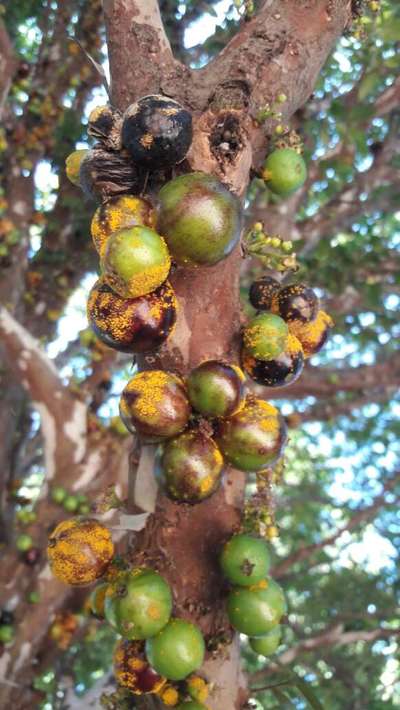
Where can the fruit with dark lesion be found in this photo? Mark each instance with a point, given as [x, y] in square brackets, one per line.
[79, 551]
[262, 292]
[296, 302]
[280, 371]
[245, 560]
[133, 671]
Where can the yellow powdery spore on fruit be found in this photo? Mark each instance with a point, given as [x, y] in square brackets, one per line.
[145, 281]
[148, 389]
[255, 335]
[269, 422]
[118, 213]
[80, 551]
[147, 140]
[260, 585]
[198, 688]
[311, 334]
[169, 696]
[73, 165]
[293, 345]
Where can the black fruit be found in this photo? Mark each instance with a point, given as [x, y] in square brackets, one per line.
[281, 370]
[262, 292]
[296, 302]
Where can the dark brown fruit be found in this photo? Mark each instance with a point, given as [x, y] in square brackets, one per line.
[135, 325]
[296, 302]
[280, 371]
[262, 292]
[105, 173]
[192, 466]
[105, 125]
[314, 335]
[132, 671]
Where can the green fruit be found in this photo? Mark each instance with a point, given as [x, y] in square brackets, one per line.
[73, 165]
[267, 645]
[138, 604]
[265, 336]
[245, 560]
[254, 611]
[192, 466]
[216, 389]
[33, 597]
[191, 705]
[23, 542]
[177, 650]
[6, 633]
[84, 509]
[136, 261]
[58, 494]
[71, 504]
[200, 218]
[284, 171]
[254, 437]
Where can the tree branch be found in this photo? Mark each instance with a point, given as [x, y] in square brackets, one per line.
[8, 64]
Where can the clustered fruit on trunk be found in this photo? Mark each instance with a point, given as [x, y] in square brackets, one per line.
[202, 422]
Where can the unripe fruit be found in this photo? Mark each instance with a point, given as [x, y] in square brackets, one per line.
[216, 389]
[58, 494]
[192, 466]
[177, 650]
[6, 633]
[265, 336]
[136, 261]
[280, 371]
[70, 504]
[254, 437]
[262, 292]
[132, 671]
[157, 131]
[79, 551]
[138, 604]
[134, 325]
[284, 171]
[191, 705]
[97, 600]
[267, 645]
[73, 165]
[23, 542]
[118, 213]
[155, 405]
[200, 218]
[296, 302]
[245, 560]
[314, 335]
[254, 611]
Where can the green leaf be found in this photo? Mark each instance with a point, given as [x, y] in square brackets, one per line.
[368, 85]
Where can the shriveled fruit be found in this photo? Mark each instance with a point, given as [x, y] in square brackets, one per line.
[136, 261]
[262, 292]
[138, 604]
[256, 610]
[157, 131]
[97, 600]
[105, 173]
[155, 405]
[281, 370]
[73, 165]
[133, 671]
[192, 466]
[254, 437]
[104, 124]
[79, 551]
[216, 389]
[245, 560]
[296, 302]
[118, 213]
[267, 645]
[177, 650]
[284, 171]
[314, 335]
[134, 325]
[200, 218]
[265, 336]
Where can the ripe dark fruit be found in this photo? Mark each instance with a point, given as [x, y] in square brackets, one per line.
[314, 335]
[132, 671]
[32, 556]
[296, 302]
[284, 171]
[105, 125]
[134, 325]
[267, 645]
[200, 218]
[136, 261]
[216, 389]
[254, 437]
[177, 650]
[118, 213]
[256, 610]
[155, 405]
[79, 551]
[265, 336]
[104, 174]
[281, 370]
[262, 292]
[157, 131]
[192, 466]
[245, 560]
[138, 604]
[6, 617]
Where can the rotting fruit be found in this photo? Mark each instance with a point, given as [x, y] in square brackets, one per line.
[177, 650]
[267, 645]
[216, 389]
[133, 671]
[157, 131]
[138, 604]
[284, 171]
[265, 336]
[136, 261]
[73, 165]
[255, 610]
[200, 218]
[155, 405]
[252, 438]
[96, 600]
[262, 292]
[314, 335]
[105, 124]
[118, 213]
[245, 560]
[192, 466]
[79, 551]
[134, 325]
[106, 173]
[296, 302]
[280, 371]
